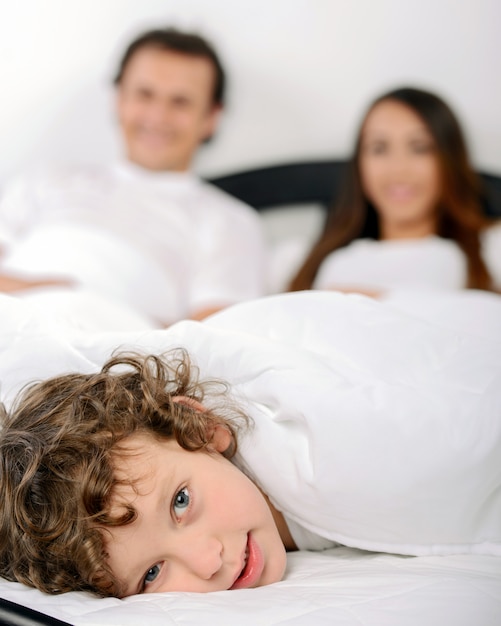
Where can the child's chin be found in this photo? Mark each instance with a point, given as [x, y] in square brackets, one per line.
[277, 572]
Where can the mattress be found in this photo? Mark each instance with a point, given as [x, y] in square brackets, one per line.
[341, 586]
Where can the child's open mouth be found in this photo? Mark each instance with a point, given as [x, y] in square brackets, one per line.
[253, 566]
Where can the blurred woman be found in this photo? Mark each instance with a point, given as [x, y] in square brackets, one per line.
[410, 212]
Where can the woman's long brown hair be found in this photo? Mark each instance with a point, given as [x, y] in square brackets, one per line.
[460, 214]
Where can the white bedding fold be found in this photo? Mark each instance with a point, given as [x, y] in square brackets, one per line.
[372, 428]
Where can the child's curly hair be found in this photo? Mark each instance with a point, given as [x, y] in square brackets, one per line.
[57, 450]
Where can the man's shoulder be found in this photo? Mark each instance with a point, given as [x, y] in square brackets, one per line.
[56, 176]
[226, 202]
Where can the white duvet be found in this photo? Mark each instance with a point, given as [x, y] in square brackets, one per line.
[372, 427]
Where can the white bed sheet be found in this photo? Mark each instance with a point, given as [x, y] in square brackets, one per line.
[342, 586]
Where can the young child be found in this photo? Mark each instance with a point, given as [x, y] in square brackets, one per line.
[119, 482]
[365, 427]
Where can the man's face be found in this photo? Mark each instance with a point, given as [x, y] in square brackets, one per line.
[165, 108]
[201, 524]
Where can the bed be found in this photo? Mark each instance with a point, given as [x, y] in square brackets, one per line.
[344, 585]
[249, 342]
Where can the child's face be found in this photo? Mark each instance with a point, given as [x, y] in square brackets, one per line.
[202, 525]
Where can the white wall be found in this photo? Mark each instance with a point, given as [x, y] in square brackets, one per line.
[301, 72]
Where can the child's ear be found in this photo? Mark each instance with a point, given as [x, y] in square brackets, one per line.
[222, 439]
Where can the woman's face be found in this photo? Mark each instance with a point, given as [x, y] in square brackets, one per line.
[400, 170]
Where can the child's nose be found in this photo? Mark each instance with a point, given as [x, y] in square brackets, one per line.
[203, 556]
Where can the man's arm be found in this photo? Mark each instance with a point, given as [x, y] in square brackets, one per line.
[11, 284]
[18, 208]
[203, 312]
[232, 257]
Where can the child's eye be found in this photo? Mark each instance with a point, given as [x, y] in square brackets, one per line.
[152, 574]
[181, 502]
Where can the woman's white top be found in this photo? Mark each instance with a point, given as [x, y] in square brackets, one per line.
[425, 263]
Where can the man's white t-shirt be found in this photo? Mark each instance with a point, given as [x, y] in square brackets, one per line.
[165, 243]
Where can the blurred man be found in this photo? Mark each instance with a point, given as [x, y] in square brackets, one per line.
[144, 232]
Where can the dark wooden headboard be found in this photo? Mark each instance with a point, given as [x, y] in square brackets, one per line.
[314, 182]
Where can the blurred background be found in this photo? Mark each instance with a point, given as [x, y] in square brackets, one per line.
[301, 73]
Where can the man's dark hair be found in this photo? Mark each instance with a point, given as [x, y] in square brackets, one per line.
[174, 40]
